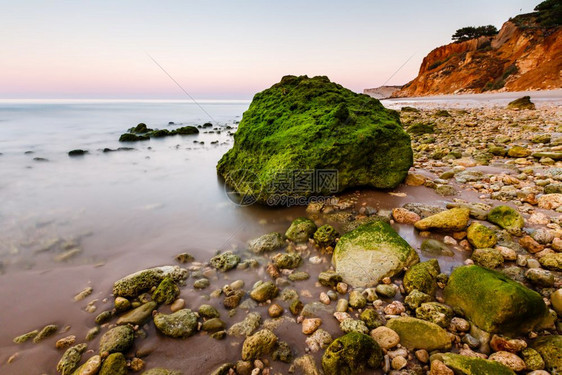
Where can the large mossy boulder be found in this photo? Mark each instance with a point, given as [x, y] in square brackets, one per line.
[494, 302]
[307, 125]
[371, 252]
[351, 354]
[420, 334]
[465, 365]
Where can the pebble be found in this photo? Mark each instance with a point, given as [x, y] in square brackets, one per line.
[310, 325]
[275, 310]
[65, 342]
[385, 337]
[422, 355]
[177, 305]
[324, 298]
[508, 359]
[394, 308]
[399, 362]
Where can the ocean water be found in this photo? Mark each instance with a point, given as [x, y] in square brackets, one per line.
[67, 223]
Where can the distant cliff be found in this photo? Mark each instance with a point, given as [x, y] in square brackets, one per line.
[381, 92]
[522, 56]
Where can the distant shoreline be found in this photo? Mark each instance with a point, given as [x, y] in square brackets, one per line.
[540, 97]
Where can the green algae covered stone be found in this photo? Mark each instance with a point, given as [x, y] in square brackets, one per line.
[423, 277]
[464, 365]
[420, 334]
[550, 349]
[325, 236]
[371, 252]
[507, 218]
[312, 124]
[494, 302]
[167, 292]
[114, 364]
[480, 236]
[351, 354]
[301, 230]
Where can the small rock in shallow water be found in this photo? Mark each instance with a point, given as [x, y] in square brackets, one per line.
[258, 345]
[70, 359]
[118, 339]
[47, 331]
[225, 262]
[181, 324]
[385, 337]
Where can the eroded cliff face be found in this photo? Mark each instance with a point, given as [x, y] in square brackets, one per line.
[516, 59]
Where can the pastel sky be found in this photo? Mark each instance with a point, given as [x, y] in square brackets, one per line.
[222, 49]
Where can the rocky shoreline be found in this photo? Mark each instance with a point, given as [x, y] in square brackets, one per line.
[497, 312]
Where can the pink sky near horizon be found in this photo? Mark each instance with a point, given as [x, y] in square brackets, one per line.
[219, 49]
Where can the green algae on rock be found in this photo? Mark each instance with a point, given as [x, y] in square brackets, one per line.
[301, 230]
[139, 315]
[420, 334]
[114, 364]
[480, 236]
[71, 359]
[465, 365]
[455, 219]
[521, 103]
[312, 124]
[550, 349]
[423, 277]
[118, 339]
[166, 292]
[181, 324]
[266, 243]
[259, 344]
[494, 302]
[371, 252]
[134, 284]
[351, 354]
[507, 218]
[325, 236]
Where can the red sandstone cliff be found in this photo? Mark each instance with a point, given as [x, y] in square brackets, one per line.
[518, 58]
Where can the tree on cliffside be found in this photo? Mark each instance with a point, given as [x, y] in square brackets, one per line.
[471, 32]
[549, 13]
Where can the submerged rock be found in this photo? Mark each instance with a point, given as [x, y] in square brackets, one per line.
[494, 302]
[372, 251]
[138, 316]
[313, 124]
[225, 261]
[351, 354]
[181, 324]
[141, 281]
[266, 243]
